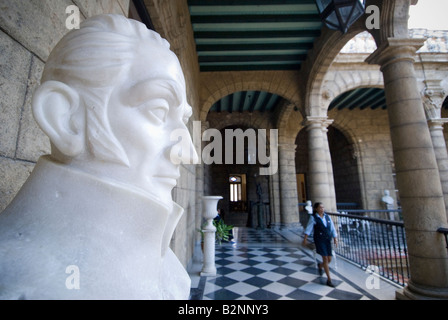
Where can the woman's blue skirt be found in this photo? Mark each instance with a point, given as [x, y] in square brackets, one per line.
[323, 247]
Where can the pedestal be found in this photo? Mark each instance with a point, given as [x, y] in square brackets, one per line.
[210, 207]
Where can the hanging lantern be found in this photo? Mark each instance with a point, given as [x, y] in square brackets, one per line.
[340, 14]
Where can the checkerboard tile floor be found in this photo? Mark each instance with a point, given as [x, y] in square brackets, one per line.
[263, 265]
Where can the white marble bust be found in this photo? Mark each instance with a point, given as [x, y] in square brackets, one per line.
[387, 199]
[309, 207]
[101, 203]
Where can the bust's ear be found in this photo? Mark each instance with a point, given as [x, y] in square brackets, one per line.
[56, 108]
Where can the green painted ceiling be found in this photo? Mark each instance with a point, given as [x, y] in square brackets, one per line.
[234, 35]
[249, 101]
[361, 98]
[242, 35]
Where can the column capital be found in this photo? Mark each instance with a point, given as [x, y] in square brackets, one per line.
[394, 49]
[312, 122]
[432, 98]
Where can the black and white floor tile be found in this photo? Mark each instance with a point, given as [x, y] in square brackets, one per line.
[263, 265]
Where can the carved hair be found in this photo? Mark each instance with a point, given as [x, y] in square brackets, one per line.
[93, 60]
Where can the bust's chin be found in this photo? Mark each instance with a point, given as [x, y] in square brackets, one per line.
[158, 187]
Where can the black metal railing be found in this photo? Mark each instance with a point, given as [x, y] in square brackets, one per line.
[373, 244]
[389, 214]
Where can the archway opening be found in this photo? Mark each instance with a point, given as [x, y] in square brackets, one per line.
[345, 169]
[239, 182]
[245, 189]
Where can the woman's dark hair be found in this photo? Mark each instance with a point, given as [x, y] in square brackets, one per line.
[316, 205]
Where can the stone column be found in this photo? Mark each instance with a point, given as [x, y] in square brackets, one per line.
[289, 202]
[432, 97]
[319, 185]
[198, 130]
[417, 172]
[331, 206]
[274, 200]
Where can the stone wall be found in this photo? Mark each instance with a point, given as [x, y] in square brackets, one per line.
[368, 131]
[345, 167]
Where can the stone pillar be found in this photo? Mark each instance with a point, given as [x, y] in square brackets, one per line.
[331, 206]
[321, 189]
[432, 97]
[417, 172]
[274, 200]
[289, 202]
[198, 130]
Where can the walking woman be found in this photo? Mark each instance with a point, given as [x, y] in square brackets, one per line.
[324, 232]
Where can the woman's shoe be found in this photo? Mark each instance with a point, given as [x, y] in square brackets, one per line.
[330, 284]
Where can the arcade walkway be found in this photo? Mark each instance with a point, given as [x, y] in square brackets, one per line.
[271, 265]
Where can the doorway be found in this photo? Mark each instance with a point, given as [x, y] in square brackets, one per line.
[237, 189]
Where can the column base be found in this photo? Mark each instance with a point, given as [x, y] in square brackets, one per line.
[411, 292]
[208, 273]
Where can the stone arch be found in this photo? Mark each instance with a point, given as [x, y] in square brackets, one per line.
[317, 98]
[213, 88]
[248, 120]
[327, 48]
[255, 121]
[290, 125]
[346, 80]
[314, 69]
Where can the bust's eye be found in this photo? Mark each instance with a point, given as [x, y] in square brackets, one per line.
[156, 110]
[160, 113]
